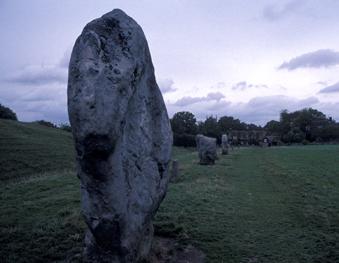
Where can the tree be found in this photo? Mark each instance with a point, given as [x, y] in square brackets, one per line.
[46, 123]
[65, 127]
[184, 122]
[7, 113]
[227, 123]
[273, 127]
[304, 125]
[210, 128]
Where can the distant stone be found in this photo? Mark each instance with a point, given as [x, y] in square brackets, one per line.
[207, 149]
[224, 144]
[122, 135]
[174, 170]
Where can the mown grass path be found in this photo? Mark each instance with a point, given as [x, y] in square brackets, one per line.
[260, 205]
[254, 205]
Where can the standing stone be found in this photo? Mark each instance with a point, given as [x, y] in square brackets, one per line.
[224, 144]
[207, 149]
[265, 142]
[122, 136]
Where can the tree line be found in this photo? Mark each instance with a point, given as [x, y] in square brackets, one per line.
[304, 126]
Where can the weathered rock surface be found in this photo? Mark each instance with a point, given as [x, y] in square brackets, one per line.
[122, 135]
[224, 144]
[207, 149]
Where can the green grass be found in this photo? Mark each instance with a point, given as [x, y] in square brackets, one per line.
[260, 205]
[30, 148]
[40, 219]
[255, 205]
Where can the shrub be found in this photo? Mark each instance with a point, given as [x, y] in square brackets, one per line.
[7, 113]
[305, 142]
[65, 127]
[46, 123]
[185, 140]
[184, 122]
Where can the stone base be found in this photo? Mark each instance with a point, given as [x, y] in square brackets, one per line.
[168, 250]
[209, 162]
[96, 254]
[224, 152]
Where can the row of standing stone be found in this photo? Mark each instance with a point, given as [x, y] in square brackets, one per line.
[207, 148]
[207, 152]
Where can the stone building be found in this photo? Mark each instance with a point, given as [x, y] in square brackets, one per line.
[246, 137]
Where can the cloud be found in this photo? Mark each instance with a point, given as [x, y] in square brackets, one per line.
[243, 85]
[42, 74]
[39, 75]
[322, 83]
[276, 12]
[317, 59]
[188, 100]
[280, 102]
[257, 110]
[240, 86]
[218, 106]
[166, 85]
[330, 89]
[48, 102]
[215, 96]
[219, 85]
[38, 92]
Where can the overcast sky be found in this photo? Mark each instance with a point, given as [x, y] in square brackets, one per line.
[248, 59]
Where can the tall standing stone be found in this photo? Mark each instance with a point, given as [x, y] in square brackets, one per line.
[122, 136]
[207, 149]
[224, 144]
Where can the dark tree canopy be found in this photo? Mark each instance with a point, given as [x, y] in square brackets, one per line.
[66, 127]
[304, 125]
[184, 122]
[46, 123]
[210, 127]
[7, 113]
[273, 127]
[227, 123]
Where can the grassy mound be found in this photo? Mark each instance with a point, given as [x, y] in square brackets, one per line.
[30, 148]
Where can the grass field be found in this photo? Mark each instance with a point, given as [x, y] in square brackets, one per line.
[254, 205]
[29, 148]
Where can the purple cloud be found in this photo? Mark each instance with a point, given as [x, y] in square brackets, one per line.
[330, 89]
[275, 12]
[48, 102]
[243, 85]
[257, 110]
[166, 85]
[317, 59]
[215, 96]
[39, 75]
[188, 100]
